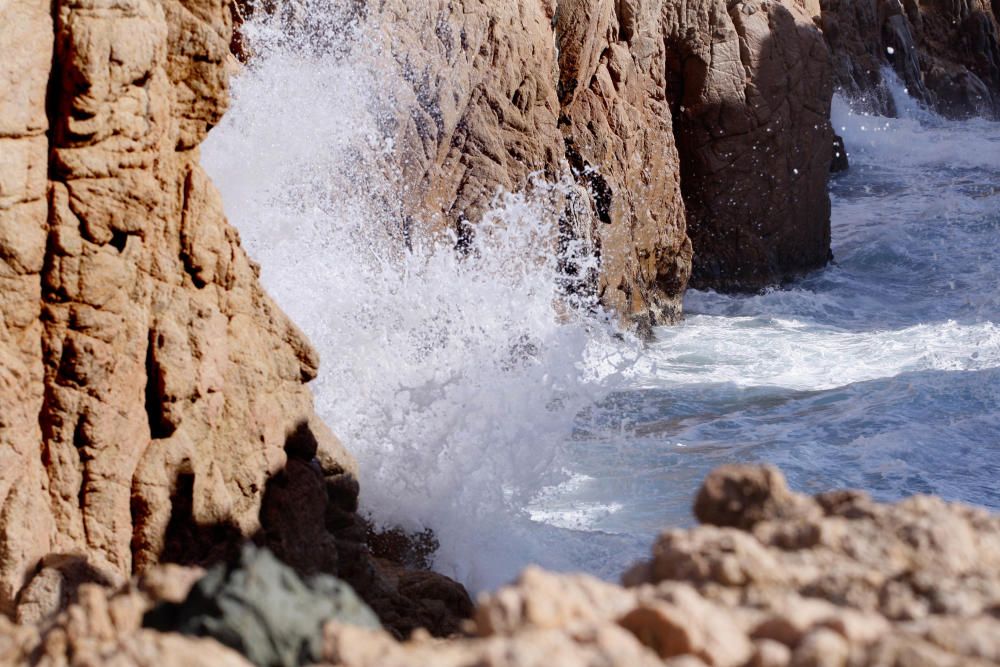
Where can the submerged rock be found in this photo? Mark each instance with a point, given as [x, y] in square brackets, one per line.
[840, 160]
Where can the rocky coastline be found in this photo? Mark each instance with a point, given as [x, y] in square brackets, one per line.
[155, 414]
[770, 578]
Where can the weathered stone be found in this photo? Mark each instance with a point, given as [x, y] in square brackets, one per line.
[104, 628]
[742, 496]
[261, 608]
[145, 373]
[668, 120]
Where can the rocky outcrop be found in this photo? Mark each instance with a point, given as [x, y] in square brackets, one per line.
[676, 123]
[946, 53]
[752, 88]
[772, 578]
[153, 399]
[145, 372]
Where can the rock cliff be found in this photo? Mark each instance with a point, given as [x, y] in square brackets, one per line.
[153, 399]
[695, 135]
[695, 122]
[144, 368]
[946, 53]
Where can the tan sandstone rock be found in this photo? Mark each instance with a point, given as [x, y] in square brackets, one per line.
[657, 120]
[100, 628]
[146, 377]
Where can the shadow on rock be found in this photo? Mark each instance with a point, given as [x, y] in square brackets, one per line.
[309, 520]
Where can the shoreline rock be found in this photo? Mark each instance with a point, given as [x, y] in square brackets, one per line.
[154, 404]
[786, 579]
[778, 579]
[946, 54]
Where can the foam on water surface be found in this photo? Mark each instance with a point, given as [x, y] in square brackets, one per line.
[524, 432]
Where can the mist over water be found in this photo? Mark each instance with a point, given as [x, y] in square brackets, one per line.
[523, 431]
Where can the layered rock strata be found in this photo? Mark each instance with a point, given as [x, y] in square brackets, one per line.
[153, 399]
[946, 53]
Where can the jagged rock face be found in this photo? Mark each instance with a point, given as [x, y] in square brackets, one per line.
[672, 119]
[751, 84]
[143, 367]
[779, 579]
[947, 53]
[618, 135]
[491, 95]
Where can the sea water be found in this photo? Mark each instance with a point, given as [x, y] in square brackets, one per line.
[521, 431]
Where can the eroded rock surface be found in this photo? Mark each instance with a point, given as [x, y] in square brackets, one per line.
[105, 628]
[144, 370]
[783, 579]
[676, 119]
[662, 123]
[153, 399]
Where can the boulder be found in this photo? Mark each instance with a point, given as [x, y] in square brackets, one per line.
[263, 609]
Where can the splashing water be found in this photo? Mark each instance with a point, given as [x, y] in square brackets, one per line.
[521, 431]
[454, 379]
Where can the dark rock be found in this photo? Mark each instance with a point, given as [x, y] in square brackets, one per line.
[840, 162]
[946, 53]
[262, 608]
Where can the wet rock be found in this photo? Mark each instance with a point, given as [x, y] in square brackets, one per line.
[840, 160]
[261, 608]
[947, 55]
[657, 119]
